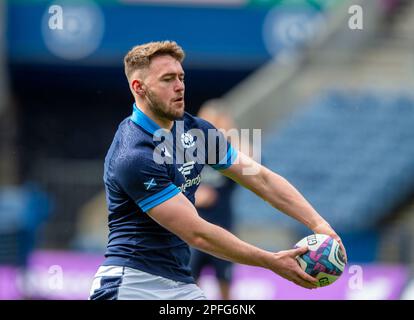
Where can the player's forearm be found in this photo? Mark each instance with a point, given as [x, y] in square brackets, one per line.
[274, 189]
[219, 242]
[284, 196]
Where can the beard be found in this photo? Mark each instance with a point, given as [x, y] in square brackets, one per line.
[162, 110]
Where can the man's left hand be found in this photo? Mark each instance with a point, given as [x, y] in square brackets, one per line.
[325, 228]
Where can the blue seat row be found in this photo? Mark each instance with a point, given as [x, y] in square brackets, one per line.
[351, 153]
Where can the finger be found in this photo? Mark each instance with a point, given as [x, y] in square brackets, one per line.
[342, 247]
[343, 251]
[299, 251]
[303, 283]
[307, 277]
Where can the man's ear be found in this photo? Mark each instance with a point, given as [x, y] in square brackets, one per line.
[138, 87]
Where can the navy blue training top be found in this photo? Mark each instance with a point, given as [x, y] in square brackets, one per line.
[144, 167]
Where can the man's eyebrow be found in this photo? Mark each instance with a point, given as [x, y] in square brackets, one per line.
[172, 74]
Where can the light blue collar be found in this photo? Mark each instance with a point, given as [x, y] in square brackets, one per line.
[141, 119]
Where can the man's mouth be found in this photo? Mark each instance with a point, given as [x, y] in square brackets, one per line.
[179, 99]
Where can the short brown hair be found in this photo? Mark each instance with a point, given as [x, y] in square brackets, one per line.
[139, 57]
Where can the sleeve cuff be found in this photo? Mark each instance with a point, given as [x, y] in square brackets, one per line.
[227, 161]
[158, 198]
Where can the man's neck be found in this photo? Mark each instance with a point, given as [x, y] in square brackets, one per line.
[162, 122]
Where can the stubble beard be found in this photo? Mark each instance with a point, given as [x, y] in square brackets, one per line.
[160, 109]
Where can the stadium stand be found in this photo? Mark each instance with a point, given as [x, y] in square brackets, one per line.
[23, 210]
[349, 152]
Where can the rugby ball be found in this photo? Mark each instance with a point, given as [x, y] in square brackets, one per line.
[324, 260]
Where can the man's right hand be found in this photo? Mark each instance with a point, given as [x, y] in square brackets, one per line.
[284, 263]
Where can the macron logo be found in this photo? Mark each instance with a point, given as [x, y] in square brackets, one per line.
[150, 183]
[186, 168]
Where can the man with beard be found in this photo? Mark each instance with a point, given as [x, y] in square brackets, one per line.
[152, 219]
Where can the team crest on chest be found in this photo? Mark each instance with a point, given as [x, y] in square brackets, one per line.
[187, 140]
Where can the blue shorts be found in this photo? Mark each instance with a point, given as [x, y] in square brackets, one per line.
[124, 283]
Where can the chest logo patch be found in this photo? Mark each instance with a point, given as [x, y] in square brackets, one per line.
[187, 140]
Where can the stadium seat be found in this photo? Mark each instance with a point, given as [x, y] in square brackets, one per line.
[350, 153]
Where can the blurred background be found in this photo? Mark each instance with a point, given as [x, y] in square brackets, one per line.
[329, 84]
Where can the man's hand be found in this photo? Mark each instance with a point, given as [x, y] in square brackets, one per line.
[277, 191]
[325, 228]
[284, 263]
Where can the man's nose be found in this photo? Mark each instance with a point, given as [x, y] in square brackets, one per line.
[179, 85]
